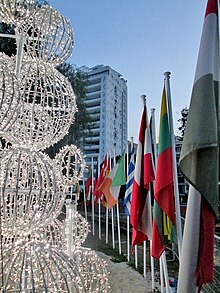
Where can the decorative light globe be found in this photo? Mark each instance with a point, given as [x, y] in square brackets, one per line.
[93, 268]
[56, 232]
[71, 164]
[10, 101]
[16, 11]
[80, 229]
[30, 191]
[48, 36]
[48, 109]
[32, 266]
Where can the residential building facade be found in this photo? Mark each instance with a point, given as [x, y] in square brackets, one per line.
[106, 103]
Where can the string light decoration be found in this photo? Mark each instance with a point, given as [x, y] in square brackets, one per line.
[49, 35]
[93, 268]
[49, 106]
[16, 11]
[31, 193]
[39, 253]
[71, 164]
[35, 266]
[10, 101]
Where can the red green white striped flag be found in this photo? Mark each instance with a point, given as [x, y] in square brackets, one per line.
[164, 204]
[199, 161]
[141, 216]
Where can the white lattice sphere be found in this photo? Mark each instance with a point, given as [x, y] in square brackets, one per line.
[32, 266]
[93, 268]
[10, 101]
[48, 36]
[48, 109]
[30, 191]
[16, 11]
[71, 164]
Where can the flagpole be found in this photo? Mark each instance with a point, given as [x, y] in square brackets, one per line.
[162, 261]
[106, 220]
[154, 145]
[84, 195]
[117, 214]
[176, 190]
[112, 212]
[99, 202]
[128, 217]
[93, 206]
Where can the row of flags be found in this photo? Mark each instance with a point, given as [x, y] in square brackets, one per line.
[199, 163]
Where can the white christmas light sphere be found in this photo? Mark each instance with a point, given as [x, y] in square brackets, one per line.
[16, 11]
[48, 36]
[48, 109]
[71, 164]
[93, 268]
[30, 191]
[10, 102]
[34, 266]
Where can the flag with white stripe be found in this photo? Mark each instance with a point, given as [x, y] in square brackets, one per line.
[129, 184]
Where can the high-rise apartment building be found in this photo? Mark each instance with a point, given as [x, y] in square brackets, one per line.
[106, 102]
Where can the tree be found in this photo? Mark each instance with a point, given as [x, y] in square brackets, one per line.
[76, 135]
[182, 121]
[8, 45]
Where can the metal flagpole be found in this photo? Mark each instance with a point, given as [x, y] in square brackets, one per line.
[99, 201]
[106, 220]
[84, 195]
[162, 262]
[176, 190]
[154, 146]
[128, 217]
[118, 220]
[145, 258]
[112, 214]
[93, 206]
[136, 256]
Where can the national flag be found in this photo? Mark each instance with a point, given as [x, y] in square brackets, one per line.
[113, 181]
[144, 174]
[199, 161]
[164, 204]
[88, 184]
[129, 184]
[103, 173]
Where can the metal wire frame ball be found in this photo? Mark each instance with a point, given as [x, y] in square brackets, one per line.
[16, 11]
[49, 106]
[94, 268]
[10, 101]
[71, 164]
[30, 191]
[47, 35]
[35, 266]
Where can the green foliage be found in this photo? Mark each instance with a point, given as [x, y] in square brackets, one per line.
[8, 45]
[182, 122]
[76, 135]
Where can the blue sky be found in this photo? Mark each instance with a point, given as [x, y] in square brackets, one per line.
[141, 39]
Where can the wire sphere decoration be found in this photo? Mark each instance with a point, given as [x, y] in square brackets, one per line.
[47, 35]
[35, 266]
[71, 164]
[49, 106]
[30, 190]
[80, 230]
[10, 101]
[16, 11]
[93, 267]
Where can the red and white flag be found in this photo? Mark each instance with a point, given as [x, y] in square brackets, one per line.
[141, 215]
